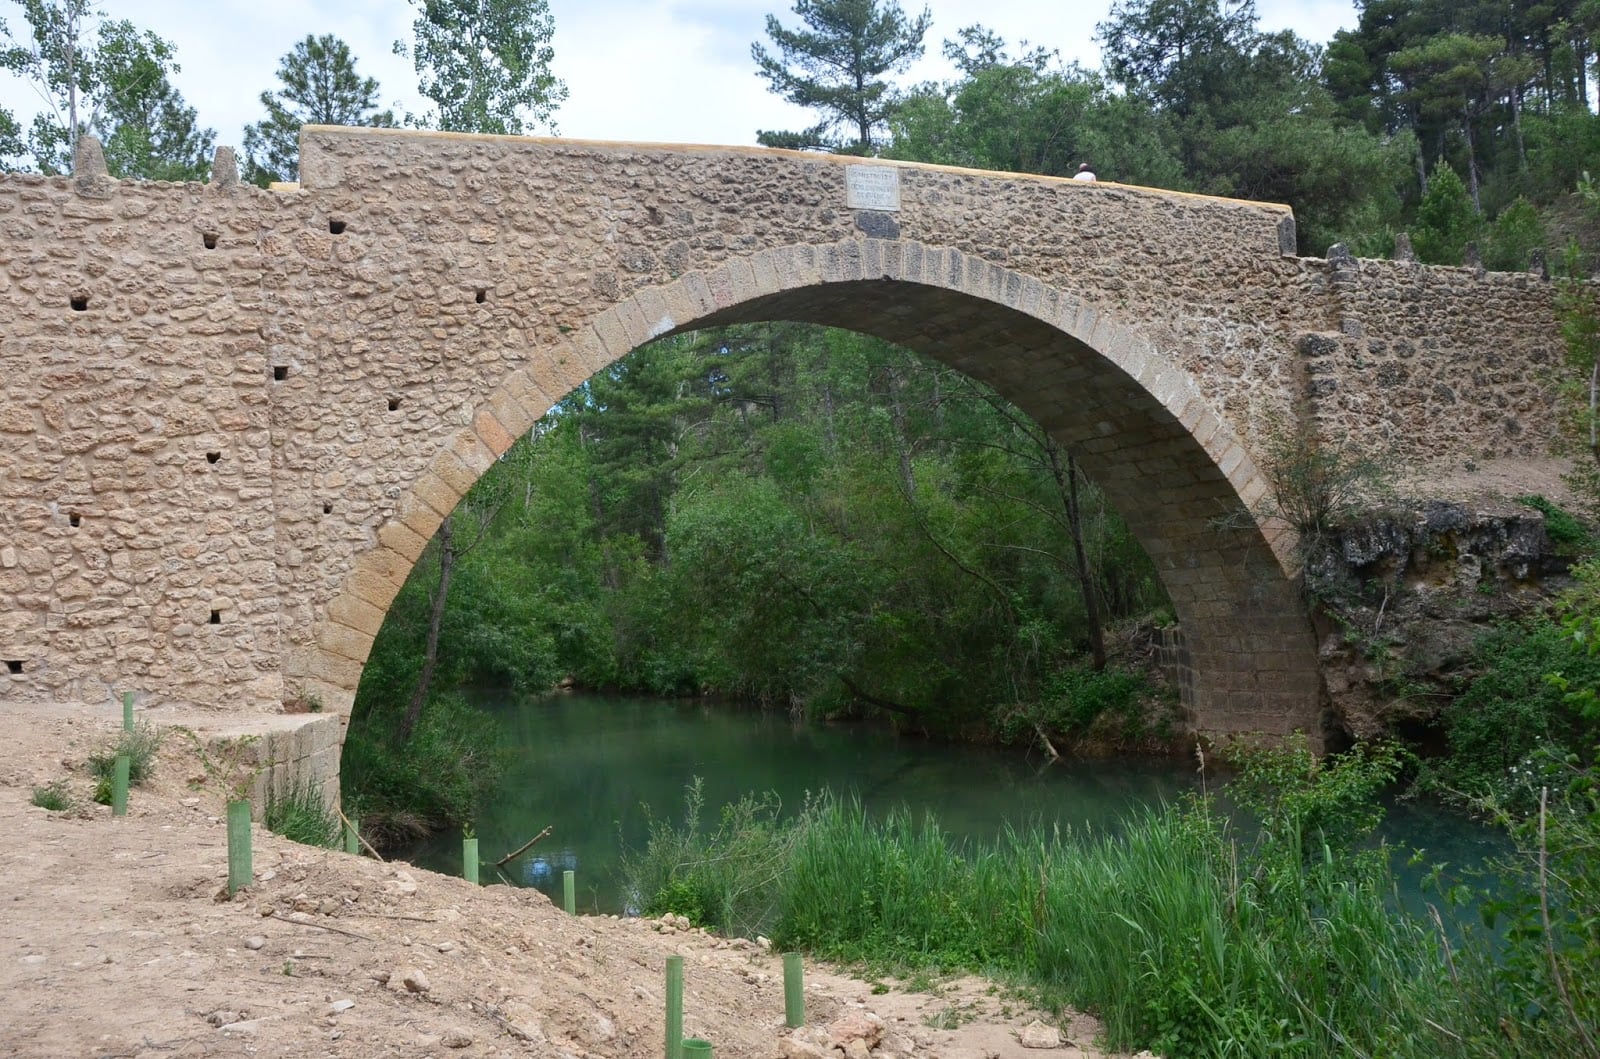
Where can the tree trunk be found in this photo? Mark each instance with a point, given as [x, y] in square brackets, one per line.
[897, 409]
[1067, 485]
[1472, 163]
[430, 657]
[1516, 126]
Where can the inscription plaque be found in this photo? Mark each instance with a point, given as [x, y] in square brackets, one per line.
[872, 187]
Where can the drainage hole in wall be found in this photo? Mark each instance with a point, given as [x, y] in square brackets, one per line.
[483, 295]
[394, 404]
[327, 509]
[13, 665]
[213, 457]
[210, 239]
[280, 372]
[216, 617]
[336, 227]
[80, 302]
[74, 519]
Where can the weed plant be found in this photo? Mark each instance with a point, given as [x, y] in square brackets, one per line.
[141, 745]
[300, 815]
[1565, 530]
[54, 796]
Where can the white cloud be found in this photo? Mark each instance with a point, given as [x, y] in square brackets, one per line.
[659, 70]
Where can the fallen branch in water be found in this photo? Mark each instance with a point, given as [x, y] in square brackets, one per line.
[524, 847]
[357, 831]
[1049, 747]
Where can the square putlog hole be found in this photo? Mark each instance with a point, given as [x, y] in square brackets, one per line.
[216, 617]
[13, 665]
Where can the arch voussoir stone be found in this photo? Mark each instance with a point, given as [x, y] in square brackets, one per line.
[765, 274]
[402, 540]
[492, 434]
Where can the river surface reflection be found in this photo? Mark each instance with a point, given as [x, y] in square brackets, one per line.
[587, 765]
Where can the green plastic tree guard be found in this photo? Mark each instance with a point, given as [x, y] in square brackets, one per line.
[119, 786]
[240, 872]
[794, 990]
[674, 1006]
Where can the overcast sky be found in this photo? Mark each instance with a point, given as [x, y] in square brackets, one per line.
[674, 71]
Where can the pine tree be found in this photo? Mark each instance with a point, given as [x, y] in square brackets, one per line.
[1446, 221]
[836, 67]
[320, 87]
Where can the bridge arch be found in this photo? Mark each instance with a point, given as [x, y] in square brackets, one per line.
[1136, 421]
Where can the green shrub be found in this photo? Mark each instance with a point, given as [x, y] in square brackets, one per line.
[1511, 240]
[1510, 711]
[1523, 978]
[141, 745]
[1077, 699]
[430, 782]
[1446, 219]
[54, 796]
[1566, 532]
[300, 815]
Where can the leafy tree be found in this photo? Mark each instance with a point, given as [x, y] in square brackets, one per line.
[147, 129]
[1029, 114]
[117, 87]
[320, 87]
[836, 66]
[13, 145]
[1446, 220]
[485, 64]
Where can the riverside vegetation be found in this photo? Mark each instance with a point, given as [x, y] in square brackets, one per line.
[1184, 932]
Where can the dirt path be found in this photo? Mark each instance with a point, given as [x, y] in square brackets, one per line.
[117, 940]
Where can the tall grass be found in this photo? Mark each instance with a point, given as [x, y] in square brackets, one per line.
[724, 878]
[1184, 934]
[300, 815]
[140, 745]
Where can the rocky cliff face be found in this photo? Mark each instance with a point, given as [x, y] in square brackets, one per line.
[1402, 597]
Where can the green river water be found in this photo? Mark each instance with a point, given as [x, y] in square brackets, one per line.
[586, 765]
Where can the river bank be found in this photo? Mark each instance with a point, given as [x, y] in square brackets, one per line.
[121, 942]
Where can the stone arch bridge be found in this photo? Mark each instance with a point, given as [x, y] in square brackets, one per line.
[233, 418]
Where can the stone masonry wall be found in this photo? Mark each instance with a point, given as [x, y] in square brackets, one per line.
[224, 462]
[1435, 364]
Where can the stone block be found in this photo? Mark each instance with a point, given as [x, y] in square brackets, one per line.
[494, 435]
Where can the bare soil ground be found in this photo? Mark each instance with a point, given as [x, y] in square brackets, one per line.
[118, 939]
[1494, 483]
